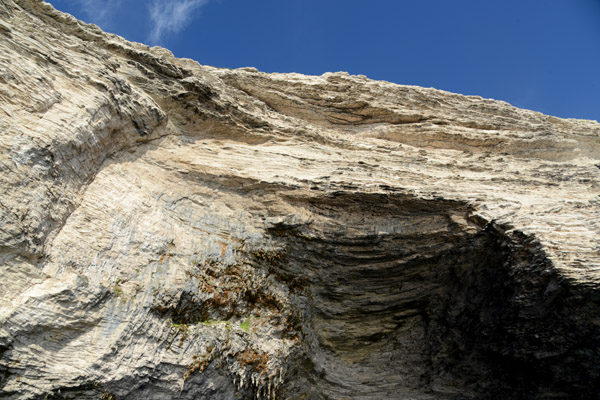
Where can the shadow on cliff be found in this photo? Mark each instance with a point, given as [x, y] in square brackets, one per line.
[406, 298]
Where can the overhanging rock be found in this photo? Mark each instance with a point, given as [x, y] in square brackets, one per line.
[174, 230]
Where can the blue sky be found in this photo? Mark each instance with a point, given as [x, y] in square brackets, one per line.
[538, 54]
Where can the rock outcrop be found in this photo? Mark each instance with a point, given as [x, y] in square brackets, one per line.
[173, 230]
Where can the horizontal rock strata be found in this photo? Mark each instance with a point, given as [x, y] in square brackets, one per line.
[174, 230]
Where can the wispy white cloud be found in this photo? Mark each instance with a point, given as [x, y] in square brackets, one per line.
[99, 12]
[171, 17]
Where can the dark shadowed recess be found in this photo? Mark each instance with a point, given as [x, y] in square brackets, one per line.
[397, 298]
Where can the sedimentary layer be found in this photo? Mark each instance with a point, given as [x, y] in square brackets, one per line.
[175, 230]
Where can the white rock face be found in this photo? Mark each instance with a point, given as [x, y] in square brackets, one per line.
[173, 230]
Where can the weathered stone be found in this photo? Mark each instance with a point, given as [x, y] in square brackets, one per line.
[173, 230]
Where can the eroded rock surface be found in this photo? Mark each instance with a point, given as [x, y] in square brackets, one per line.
[173, 230]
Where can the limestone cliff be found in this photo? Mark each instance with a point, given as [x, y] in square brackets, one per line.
[173, 230]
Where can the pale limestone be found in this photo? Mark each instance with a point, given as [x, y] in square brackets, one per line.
[123, 168]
